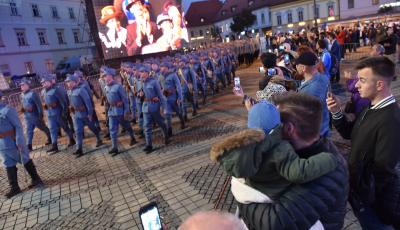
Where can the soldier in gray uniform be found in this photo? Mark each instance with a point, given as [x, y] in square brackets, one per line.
[198, 68]
[13, 148]
[68, 119]
[32, 109]
[189, 85]
[82, 110]
[209, 67]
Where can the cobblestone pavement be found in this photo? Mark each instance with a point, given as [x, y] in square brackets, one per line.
[97, 191]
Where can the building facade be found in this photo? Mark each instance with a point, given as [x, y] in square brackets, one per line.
[355, 8]
[36, 35]
[299, 15]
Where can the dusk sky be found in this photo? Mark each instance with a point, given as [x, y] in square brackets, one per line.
[186, 4]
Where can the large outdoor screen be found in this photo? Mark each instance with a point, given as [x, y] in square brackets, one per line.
[136, 27]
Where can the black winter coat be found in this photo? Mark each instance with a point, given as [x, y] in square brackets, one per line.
[301, 206]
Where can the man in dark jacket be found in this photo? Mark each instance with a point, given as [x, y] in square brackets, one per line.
[390, 42]
[301, 115]
[374, 136]
[335, 49]
[269, 62]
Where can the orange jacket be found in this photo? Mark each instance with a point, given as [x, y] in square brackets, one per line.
[340, 37]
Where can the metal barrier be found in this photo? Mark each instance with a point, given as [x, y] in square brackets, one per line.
[354, 51]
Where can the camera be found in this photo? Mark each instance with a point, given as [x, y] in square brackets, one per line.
[271, 72]
[286, 59]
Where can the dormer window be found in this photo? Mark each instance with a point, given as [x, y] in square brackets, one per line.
[223, 12]
[250, 2]
[201, 19]
[233, 8]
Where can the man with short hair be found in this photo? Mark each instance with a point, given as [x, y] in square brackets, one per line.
[377, 50]
[390, 47]
[212, 220]
[335, 49]
[374, 137]
[325, 56]
[315, 84]
[302, 205]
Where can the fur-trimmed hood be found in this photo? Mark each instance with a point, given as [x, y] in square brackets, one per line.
[241, 139]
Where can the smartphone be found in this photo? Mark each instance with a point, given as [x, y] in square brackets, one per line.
[237, 83]
[275, 50]
[282, 47]
[261, 69]
[270, 50]
[286, 59]
[150, 217]
[271, 72]
[330, 90]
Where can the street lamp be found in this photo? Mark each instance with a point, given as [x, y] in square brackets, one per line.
[315, 14]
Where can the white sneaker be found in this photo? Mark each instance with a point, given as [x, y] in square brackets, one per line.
[342, 59]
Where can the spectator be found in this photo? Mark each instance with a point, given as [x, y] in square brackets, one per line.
[377, 51]
[353, 37]
[380, 32]
[372, 35]
[340, 39]
[300, 50]
[348, 40]
[335, 49]
[374, 137]
[269, 91]
[301, 115]
[364, 35]
[325, 56]
[268, 61]
[390, 47]
[212, 220]
[356, 100]
[315, 84]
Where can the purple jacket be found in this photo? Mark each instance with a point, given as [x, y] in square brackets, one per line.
[355, 95]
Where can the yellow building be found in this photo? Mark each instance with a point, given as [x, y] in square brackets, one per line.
[298, 15]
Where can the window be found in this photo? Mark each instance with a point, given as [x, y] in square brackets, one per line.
[269, 16]
[5, 69]
[76, 36]
[233, 8]
[71, 12]
[223, 12]
[14, 8]
[289, 18]
[222, 29]
[60, 36]
[49, 64]
[192, 34]
[201, 19]
[317, 12]
[279, 20]
[375, 2]
[21, 38]
[256, 21]
[331, 12]
[54, 11]
[262, 18]
[227, 28]
[300, 16]
[201, 32]
[42, 38]
[35, 10]
[1, 40]
[29, 67]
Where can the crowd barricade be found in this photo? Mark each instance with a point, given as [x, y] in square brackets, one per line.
[355, 51]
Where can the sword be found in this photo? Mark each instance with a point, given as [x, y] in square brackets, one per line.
[23, 165]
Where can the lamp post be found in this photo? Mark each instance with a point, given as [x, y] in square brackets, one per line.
[315, 14]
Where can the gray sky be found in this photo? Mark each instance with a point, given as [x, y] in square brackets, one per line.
[186, 4]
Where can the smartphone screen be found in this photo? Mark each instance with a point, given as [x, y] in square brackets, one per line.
[330, 90]
[237, 83]
[286, 59]
[275, 50]
[271, 71]
[150, 217]
[270, 50]
[281, 47]
[261, 69]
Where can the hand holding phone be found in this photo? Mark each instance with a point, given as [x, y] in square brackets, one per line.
[150, 217]
[237, 83]
[261, 69]
[271, 72]
[329, 90]
[286, 59]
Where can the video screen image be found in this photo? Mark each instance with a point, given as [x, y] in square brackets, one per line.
[136, 27]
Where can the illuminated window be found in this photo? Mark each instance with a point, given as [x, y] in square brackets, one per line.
[29, 67]
[49, 64]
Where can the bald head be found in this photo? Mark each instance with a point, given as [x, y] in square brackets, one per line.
[212, 220]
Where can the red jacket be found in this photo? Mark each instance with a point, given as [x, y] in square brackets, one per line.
[340, 37]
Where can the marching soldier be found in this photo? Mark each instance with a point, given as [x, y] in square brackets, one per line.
[68, 119]
[130, 87]
[233, 58]
[172, 94]
[118, 110]
[13, 148]
[219, 68]
[210, 70]
[138, 88]
[228, 65]
[82, 110]
[153, 101]
[103, 83]
[198, 68]
[32, 109]
[56, 105]
[189, 85]
[155, 67]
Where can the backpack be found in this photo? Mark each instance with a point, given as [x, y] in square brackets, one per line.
[334, 63]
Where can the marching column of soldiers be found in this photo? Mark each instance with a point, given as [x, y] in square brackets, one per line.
[142, 93]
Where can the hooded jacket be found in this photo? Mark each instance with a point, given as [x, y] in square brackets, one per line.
[380, 34]
[268, 164]
[300, 206]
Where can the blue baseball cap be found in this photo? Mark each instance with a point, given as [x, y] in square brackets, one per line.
[109, 71]
[46, 78]
[25, 81]
[145, 68]
[165, 64]
[71, 77]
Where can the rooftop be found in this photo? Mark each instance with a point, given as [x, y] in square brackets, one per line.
[202, 13]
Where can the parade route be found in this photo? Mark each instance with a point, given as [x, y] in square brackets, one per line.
[97, 191]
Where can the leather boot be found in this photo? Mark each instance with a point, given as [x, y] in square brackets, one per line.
[107, 136]
[194, 113]
[78, 152]
[140, 134]
[166, 141]
[123, 130]
[133, 141]
[169, 131]
[197, 105]
[29, 147]
[182, 125]
[54, 148]
[99, 143]
[133, 121]
[114, 152]
[31, 169]
[148, 149]
[59, 133]
[48, 141]
[71, 142]
[185, 118]
[13, 181]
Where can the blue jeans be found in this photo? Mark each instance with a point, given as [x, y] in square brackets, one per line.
[369, 221]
